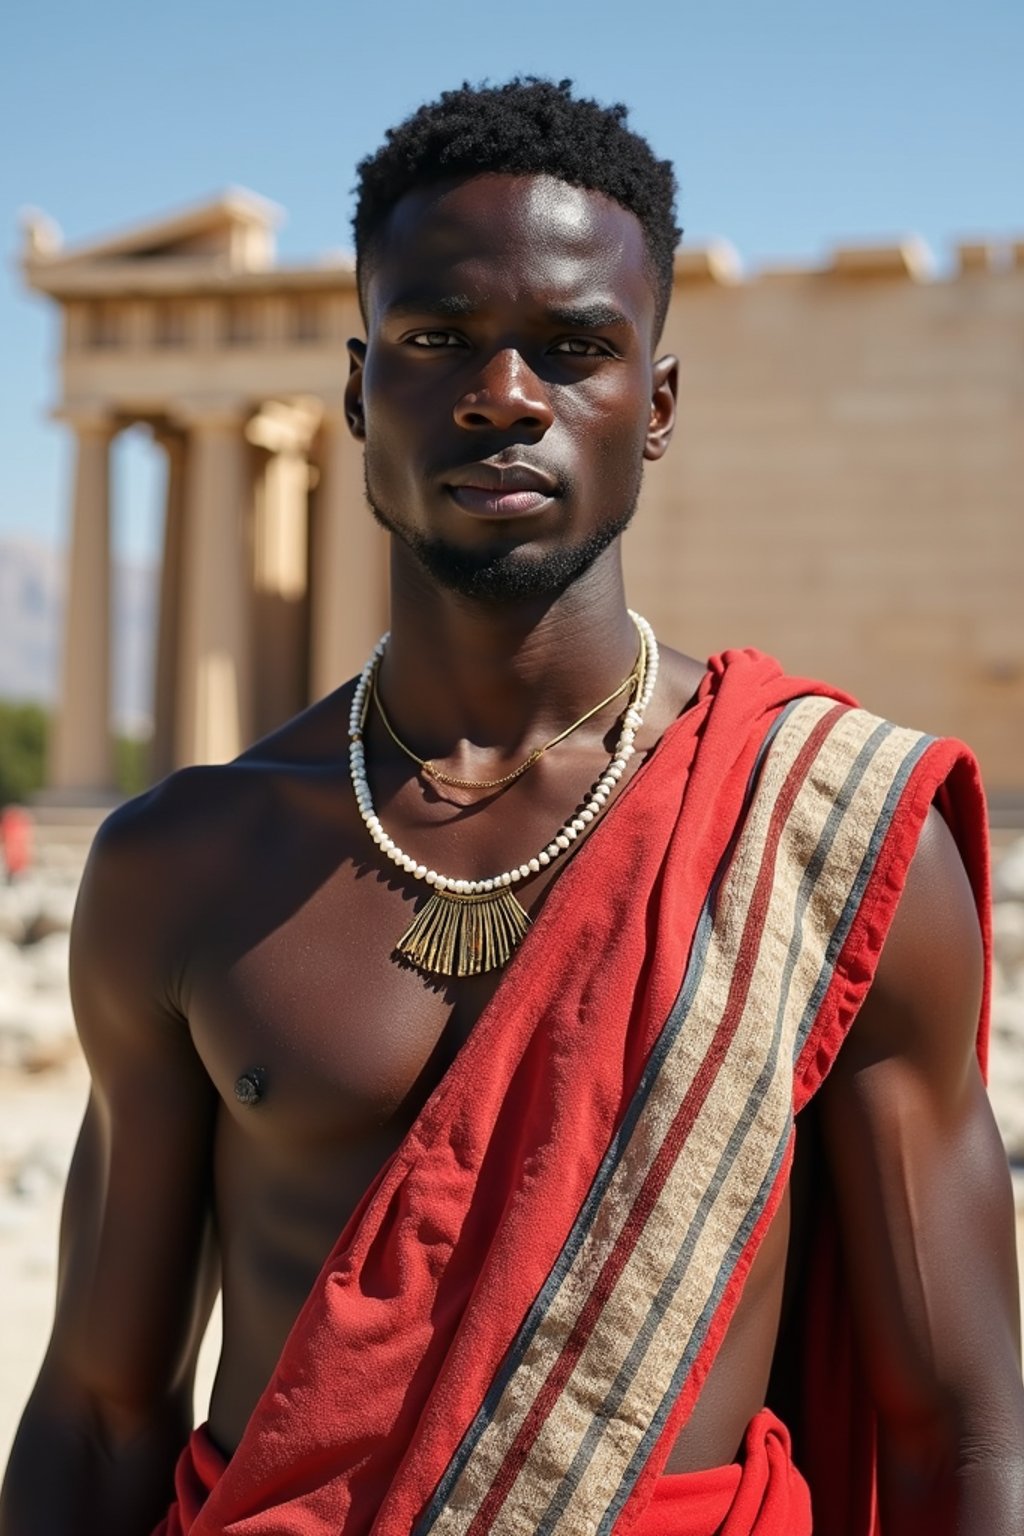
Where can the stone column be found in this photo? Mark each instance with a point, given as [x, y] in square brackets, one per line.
[281, 559]
[82, 754]
[168, 643]
[214, 671]
[350, 563]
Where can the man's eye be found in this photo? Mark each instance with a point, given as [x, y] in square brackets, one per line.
[579, 346]
[435, 339]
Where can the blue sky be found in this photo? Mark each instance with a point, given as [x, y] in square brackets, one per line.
[792, 125]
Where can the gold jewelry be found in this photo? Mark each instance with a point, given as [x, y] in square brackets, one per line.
[428, 767]
[470, 926]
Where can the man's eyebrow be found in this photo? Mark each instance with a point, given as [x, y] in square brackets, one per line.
[447, 306]
[586, 317]
[583, 316]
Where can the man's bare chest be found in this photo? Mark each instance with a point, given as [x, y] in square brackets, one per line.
[297, 1001]
[312, 1032]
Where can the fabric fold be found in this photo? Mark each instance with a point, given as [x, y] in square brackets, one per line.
[761, 1495]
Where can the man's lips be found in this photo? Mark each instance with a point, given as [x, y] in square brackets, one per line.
[484, 503]
[500, 490]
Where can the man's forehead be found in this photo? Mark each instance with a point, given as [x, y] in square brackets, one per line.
[531, 229]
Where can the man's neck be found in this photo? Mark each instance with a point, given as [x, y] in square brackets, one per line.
[498, 676]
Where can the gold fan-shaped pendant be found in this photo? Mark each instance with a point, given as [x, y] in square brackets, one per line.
[454, 935]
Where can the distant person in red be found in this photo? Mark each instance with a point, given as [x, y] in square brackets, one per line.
[15, 840]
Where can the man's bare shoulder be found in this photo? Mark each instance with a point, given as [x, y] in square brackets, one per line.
[192, 817]
[163, 865]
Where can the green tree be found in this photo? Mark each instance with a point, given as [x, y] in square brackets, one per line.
[24, 732]
[132, 765]
[24, 738]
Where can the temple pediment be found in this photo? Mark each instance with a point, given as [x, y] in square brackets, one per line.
[233, 232]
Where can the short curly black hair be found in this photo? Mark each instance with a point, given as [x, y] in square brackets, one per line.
[528, 126]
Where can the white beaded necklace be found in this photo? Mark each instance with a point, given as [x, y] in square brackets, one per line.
[471, 926]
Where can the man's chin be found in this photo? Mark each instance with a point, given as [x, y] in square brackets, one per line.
[503, 572]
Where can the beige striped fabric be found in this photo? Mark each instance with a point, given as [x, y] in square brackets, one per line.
[622, 1325]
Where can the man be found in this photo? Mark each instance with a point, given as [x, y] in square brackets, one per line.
[583, 1261]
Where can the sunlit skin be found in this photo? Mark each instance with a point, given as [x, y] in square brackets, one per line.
[237, 917]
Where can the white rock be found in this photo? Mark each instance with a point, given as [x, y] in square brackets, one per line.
[1008, 874]
[1008, 1023]
[14, 1218]
[1007, 981]
[1006, 1069]
[36, 1031]
[48, 962]
[36, 1175]
[36, 906]
[28, 893]
[16, 977]
[53, 914]
[1008, 934]
[12, 914]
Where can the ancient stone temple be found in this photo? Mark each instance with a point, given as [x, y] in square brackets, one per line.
[845, 489]
[272, 573]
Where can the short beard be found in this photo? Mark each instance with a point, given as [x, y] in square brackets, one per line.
[502, 574]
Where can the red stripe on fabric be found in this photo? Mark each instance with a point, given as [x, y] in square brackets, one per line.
[675, 1138]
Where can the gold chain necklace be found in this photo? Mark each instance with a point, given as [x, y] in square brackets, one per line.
[470, 926]
[428, 767]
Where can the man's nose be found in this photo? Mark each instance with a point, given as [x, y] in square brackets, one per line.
[507, 393]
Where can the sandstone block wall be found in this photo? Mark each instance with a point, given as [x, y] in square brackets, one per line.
[845, 489]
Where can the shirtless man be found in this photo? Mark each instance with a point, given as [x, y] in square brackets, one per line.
[256, 1052]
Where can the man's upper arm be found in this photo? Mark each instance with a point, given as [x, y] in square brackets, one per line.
[134, 1281]
[922, 1181]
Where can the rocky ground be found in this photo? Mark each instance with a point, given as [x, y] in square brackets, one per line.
[43, 1089]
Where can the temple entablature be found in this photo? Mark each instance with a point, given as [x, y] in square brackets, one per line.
[909, 259]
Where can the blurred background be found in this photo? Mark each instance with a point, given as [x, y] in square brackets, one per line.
[185, 558]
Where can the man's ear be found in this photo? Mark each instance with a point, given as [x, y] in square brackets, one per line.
[663, 407]
[354, 389]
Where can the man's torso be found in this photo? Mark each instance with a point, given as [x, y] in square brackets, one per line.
[322, 1049]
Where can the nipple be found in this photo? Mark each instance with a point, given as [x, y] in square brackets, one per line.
[250, 1086]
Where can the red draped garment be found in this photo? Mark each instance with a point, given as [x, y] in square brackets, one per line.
[518, 1318]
